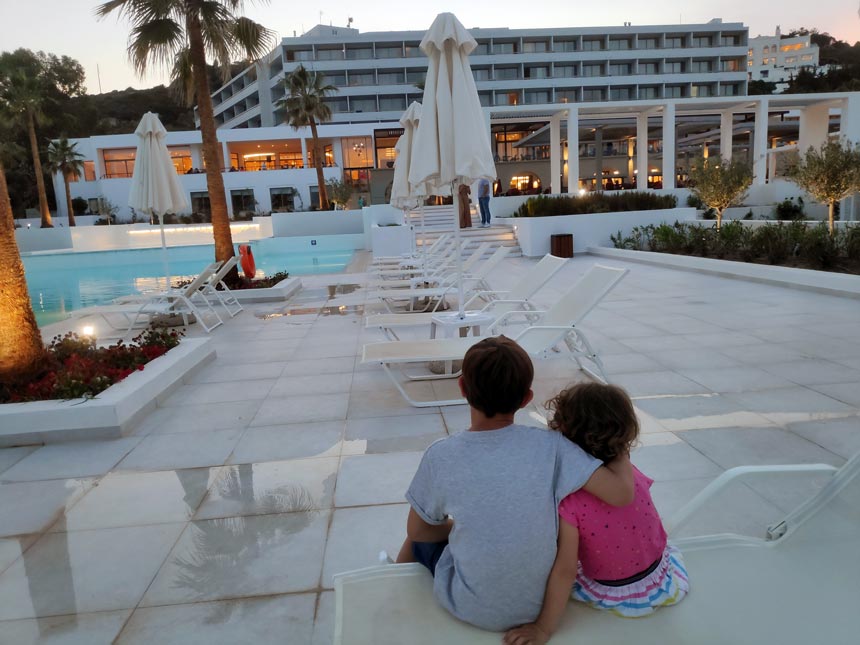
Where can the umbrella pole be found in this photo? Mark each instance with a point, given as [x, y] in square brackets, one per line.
[164, 252]
[423, 236]
[460, 304]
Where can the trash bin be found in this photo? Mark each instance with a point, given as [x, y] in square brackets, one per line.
[561, 246]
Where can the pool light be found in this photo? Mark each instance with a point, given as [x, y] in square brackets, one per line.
[88, 330]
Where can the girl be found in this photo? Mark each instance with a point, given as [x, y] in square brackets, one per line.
[625, 564]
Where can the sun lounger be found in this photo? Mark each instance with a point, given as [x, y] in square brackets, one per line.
[798, 585]
[501, 302]
[435, 296]
[223, 295]
[560, 323]
[432, 250]
[442, 274]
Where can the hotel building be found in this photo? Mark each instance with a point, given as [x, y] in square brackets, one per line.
[777, 59]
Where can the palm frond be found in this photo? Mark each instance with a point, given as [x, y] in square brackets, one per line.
[155, 41]
[182, 76]
[251, 38]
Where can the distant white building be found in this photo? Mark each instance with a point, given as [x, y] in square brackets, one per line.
[777, 59]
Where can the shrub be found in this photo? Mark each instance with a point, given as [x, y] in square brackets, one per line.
[545, 206]
[788, 209]
[771, 242]
[851, 242]
[80, 205]
[819, 247]
[670, 239]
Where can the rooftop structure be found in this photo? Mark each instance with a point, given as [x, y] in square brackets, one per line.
[377, 73]
[778, 58]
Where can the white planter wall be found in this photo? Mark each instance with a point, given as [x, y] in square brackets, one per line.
[317, 223]
[533, 233]
[391, 240]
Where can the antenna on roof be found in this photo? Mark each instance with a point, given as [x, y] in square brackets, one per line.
[349, 22]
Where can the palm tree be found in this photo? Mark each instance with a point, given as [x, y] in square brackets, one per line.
[165, 31]
[305, 106]
[21, 349]
[22, 93]
[64, 158]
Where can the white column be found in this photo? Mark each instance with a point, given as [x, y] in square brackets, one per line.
[197, 158]
[771, 160]
[669, 146]
[813, 126]
[630, 146]
[573, 150]
[642, 151]
[726, 135]
[304, 153]
[225, 153]
[760, 143]
[850, 122]
[555, 154]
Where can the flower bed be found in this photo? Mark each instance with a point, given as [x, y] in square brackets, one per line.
[549, 206]
[257, 283]
[796, 244]
[76, 368]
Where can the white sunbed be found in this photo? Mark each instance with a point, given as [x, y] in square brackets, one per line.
[434, 252]
[501, 302]
[184, 302]
[799, 585]
[444, 273]
[224, 296]
[435, 296]
[560, 323]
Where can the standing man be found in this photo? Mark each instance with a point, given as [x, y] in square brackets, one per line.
[484, 202]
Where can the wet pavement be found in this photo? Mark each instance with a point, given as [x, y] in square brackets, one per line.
[223, 517]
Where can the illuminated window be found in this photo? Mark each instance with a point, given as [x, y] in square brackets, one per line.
[791, 48]
[119, 162]
[181, 158]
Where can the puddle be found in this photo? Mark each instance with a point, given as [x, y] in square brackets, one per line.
[295, 311]
[343, 310]
[342, 289]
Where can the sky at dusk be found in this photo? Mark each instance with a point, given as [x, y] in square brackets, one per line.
[69, 26]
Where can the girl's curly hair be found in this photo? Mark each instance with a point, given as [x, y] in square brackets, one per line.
[599, 418]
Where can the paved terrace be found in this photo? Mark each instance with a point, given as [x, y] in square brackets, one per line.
[223, 517]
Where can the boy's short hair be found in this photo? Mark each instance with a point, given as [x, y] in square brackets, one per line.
[599, 418]
[497, 376]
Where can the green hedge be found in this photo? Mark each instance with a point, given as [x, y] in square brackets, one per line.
[547, 206]
[796, 243]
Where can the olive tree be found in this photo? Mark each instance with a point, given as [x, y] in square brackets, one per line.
[720, 185]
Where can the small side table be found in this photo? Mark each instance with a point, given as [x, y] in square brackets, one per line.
[451, 321]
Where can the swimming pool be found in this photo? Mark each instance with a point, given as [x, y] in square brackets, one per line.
[60, 283]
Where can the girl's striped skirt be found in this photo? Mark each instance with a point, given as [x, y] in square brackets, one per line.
[666, 585]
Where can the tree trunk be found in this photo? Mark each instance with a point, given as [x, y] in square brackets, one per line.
[21, 349]
[719, 212]
[214, 179]
[37, 167]
[69, 200]
[831, 212]
[318, 165]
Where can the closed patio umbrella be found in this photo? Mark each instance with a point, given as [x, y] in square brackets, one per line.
[404, 195]
[155, 187]
[452, 143]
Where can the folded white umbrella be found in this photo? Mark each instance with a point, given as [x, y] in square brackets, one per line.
[452, 143]
[404, 195]
[155, 186]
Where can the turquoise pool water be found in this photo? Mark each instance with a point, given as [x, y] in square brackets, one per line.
[60, 283]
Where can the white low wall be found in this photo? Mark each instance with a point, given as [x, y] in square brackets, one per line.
[533, 233]
[145, 236]
[317, 223]
[392, 240]
[34, 240]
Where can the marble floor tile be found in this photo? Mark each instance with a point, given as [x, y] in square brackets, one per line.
[730, 447]
[85, 571]
[389, 403]
[236, 557]
[735, 379]
[792, 404]
[656, 383]
[12, 548]
[324, 620]
[375, 479]
[814, 372]
[301, 409]
[184, 450]
[297, 485]
[11, 456]
[392, 434]
[311, 366]
[71, 459]
[357, 535]
[203, 393]
[136, 499]
[693, 359]
[293, 441]
[311, 384]
[704, 411]
[193, 418]
[845, 392]
[329, 350]
[32, 507]
[76, 629]
[839, 436]
[275, 620]
[217, 372]
[677, 460]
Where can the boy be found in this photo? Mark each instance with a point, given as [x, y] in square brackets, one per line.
[484, 516]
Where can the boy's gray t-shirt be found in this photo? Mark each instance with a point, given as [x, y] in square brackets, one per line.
[502, 488]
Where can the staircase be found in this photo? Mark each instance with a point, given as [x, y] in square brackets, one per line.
[441, 219]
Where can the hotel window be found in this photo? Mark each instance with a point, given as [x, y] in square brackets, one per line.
[790, 59]
[390, 77]
[701, 41]
[647, 43]
[791, 48]
[481, 73]
[89, 171]
[648, 93]
[486, 99]
[414, 51]
[700, 90]
[729, 90]
[564, 71]
[330, 53]
[200, 203]
[337, 105]
[93, 205]
[359, 53]
[389, 51]
[765, 73]
[673, 67]
[328, 156]
[337, 79]
[283, 199]
[564, 45]
[298, 54]
[592, 70]
[361, 78]
[119, 163]
[533, 97]
[290, 160]
[619, 94]
[535, 47]
[415, 75]
[482, 49]
[565, 96]
[619, 69]
[647, 68]
[806, 57]
[392, 103]
[700, 66]
[728, 41]
[674, 42]
[537, 71]
[592, 95]
[362, 104]
[507, 98]
[592, 44]
[616, 44]
[242, 201]
[673, 92]
[730, 66]
[181, 158]
[357, 152]
[507, 73]
[504, 48]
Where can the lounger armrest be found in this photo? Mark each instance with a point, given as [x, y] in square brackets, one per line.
[482, 294]
[503, 319]
[683, 516]
[506, 301]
